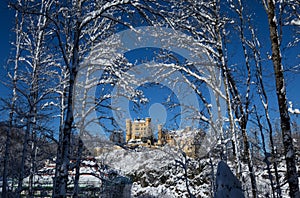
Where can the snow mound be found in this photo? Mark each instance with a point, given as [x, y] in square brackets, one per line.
[227, 185]
[154, 172]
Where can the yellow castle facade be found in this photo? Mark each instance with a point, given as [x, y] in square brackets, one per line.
[138, 129]
[140, 132]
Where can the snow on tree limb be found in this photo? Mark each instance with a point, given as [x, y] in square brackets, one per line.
[293, 110]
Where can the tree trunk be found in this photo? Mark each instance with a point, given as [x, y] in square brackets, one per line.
[244, 109]
[23, 159]
[12, 109]
[63, 96]
[6, 154]
[240, 112]
[292, 176]
[260, 126]
[77, 168]
[60, 187]
[265, 103]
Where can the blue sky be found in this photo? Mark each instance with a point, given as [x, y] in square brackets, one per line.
[292, 78]
[6, 24]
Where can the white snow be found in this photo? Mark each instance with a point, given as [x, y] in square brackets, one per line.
[155, 169]
[292, 110]
[88, 170]
[227, 185]
[295, 22]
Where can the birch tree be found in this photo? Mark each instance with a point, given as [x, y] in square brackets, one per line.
[213, 38]
[69, 30]
[255, 47]
[243, 110]
[70, 23]
[14, 78]
[33, 82]
[289, 152]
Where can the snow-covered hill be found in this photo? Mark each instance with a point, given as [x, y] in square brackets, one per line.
[154, 172]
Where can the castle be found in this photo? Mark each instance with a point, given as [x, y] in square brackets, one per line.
[139, 132]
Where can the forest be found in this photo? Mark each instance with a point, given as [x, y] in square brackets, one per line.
[220, 76]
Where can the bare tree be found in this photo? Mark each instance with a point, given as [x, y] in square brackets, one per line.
[71, 25]
[31, 85]
[14, 77]
[292, 176]
[255, 47]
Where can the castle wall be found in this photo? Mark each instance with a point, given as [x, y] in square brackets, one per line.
[138, 128]
[160, 135]
[128, 130]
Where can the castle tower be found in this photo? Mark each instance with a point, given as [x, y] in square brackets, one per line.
[159, 128]
[148, 121]
[148, 129]
[128, 130]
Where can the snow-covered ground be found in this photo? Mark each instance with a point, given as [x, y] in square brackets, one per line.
[154, 173]
[159, 172]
